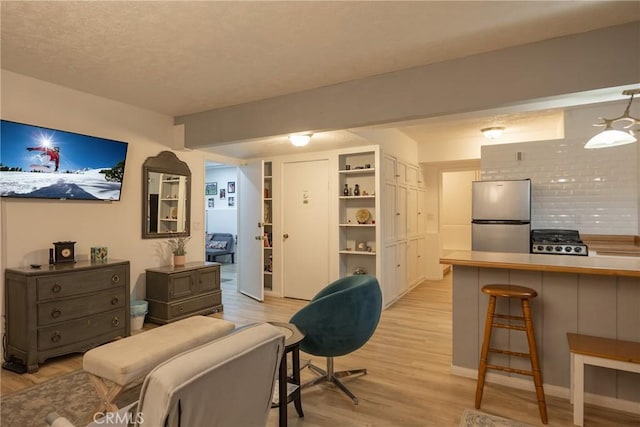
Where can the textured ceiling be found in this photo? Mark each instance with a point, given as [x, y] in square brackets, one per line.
[182, 57]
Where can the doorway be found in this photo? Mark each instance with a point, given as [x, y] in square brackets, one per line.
[455, 208]
[220, 204]
[305, 219]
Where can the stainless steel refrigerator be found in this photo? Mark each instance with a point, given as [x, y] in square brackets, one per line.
[501, 216]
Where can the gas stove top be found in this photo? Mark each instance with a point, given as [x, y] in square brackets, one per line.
[557, 242]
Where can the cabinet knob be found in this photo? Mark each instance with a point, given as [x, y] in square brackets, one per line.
[180, 309]
[56, 288]
[115, 279]
[56, 337]
[114, 300]
[285, 235]
[56, 313]
[115, 321]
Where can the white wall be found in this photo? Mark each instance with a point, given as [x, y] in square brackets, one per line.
[222, 218]
[593, 191]
[28, 227]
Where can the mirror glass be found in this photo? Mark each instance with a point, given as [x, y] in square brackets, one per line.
[166, 196]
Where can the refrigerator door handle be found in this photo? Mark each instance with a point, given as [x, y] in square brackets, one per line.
[501, 221]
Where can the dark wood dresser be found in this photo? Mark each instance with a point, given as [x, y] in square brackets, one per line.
[64, 308]
[177, 292]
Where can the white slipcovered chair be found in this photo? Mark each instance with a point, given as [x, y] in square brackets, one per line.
[228, 381]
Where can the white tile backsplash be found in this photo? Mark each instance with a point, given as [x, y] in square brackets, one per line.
[593, 191]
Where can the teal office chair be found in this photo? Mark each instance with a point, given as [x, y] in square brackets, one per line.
[338, 320]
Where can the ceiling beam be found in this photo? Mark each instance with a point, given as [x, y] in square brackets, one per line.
[581, 62]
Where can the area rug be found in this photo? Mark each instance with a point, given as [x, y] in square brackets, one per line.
[473, 418]
[71, 395]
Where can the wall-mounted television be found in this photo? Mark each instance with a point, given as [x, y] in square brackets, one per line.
[38, 162]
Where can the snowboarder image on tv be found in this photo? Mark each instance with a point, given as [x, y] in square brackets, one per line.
[53, 153]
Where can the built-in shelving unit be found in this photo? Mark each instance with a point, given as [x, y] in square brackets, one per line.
[267, 225]
[358, 208]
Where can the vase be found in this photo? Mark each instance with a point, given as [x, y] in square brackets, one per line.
[178, 260]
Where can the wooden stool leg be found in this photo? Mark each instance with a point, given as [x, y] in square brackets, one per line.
[535, 365]
[482, 371]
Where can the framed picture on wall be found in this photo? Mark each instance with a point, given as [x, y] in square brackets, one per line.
[222, 194]
[232, 201]
[231, 187]
[210, 202]
[211, 188]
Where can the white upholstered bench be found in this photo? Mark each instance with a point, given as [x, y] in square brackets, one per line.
[121, 364]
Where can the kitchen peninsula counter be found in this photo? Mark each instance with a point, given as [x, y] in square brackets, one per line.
[600, 265]
[592, 295]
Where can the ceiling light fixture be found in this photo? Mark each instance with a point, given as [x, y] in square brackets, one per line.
[493, 132]
[300, 140]
[611, 137]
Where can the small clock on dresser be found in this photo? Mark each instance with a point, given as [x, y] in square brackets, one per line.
[64, 252]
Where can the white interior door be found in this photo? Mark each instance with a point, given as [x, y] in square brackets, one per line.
[305, 222]
[249, 193]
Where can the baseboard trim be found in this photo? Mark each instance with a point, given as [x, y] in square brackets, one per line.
[550, 390]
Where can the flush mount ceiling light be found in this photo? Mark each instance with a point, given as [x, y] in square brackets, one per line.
[300, 140]
[493, 132]
[611, 137]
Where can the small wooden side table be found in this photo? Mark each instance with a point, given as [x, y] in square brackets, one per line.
[293, 337]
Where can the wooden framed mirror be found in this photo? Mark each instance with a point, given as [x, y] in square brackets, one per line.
[166, 197]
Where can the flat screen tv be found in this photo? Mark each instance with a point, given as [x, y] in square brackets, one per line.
[37, 162]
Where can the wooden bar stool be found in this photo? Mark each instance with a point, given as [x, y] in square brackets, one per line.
[524, 294]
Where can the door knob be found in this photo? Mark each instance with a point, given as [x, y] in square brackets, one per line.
[285, 235]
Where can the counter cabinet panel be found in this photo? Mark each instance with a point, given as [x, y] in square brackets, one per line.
[600, 305]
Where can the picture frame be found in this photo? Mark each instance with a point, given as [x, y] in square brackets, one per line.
[231, 187]
[222, 193]
[231, 201]
[211, 188]
[210, 202]
[361, 245]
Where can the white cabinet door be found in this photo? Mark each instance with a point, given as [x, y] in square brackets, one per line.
[412, 211]
[422, 258]
[401, 212]
[390, 285]
[389, 169]
[401, 172]
[422, 209]
[389, 212]
[412, 262]
[401, 263]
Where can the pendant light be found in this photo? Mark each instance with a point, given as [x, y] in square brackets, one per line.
[611, 137]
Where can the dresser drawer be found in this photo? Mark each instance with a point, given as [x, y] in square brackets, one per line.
[63, 334]
[163, 312]
[62, 310]
[80, 282]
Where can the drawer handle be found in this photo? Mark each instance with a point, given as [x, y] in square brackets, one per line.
[56, 288]
[56, 337]
[114, 300]
[56, 313]
[115, 279]
[180, 309]
[115, 321]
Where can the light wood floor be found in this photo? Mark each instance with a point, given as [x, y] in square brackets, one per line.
[408, 361]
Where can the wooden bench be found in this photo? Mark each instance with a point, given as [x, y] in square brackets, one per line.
[597, 351]
[121, 364]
